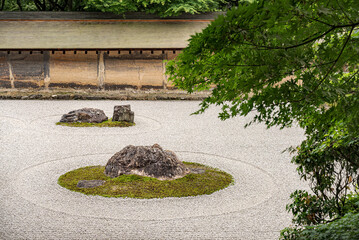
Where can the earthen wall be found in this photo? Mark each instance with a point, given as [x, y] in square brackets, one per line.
[109, 70]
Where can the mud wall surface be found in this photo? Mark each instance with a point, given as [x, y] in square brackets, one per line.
[109, 70]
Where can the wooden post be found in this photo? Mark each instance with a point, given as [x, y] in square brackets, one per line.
[164, 74]
[46, 69]
[140, 77]
[100, 70]
[12, 79]
[164, 58]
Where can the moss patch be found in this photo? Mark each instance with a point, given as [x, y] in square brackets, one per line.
[108, 123]
[135, 186]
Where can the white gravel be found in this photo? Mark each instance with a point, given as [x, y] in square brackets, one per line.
[34, 152]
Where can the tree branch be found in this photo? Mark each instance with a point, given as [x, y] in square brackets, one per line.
[335, 61]
[300, 14]
[353, 25]
[345, 14]
[55, 5]
[44, 5]
[244, 65]
[2, 5]
[38, 5]
[303, 43]
[348, 158]
[330, 69]
[352, 76]
[320, 21]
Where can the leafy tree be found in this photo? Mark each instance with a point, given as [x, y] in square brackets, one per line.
[42, 5]
[162, 8]
[292, 62]
[247, 53]
[346, 228]
[332, 172]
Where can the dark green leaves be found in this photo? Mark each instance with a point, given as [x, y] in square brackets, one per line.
[161, 8]
[276, 54]
[289, 61]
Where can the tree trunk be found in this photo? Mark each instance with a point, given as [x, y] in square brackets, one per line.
[2, 5]
[19, 4]
[39, 5]
[69, 5]
[44, 5]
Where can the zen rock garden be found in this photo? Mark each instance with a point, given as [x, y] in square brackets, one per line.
[146, 172]
[138, 171]
[85, 117]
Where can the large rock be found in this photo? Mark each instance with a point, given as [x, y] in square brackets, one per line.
[89, 115]
[123, 113]
[150, 161]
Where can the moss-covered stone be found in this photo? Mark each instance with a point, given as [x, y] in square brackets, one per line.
[134, 186]
[108, 123]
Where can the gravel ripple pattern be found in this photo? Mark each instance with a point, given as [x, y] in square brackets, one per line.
[34, 152]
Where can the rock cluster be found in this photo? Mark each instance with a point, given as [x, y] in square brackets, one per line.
[94, 115]
[123, 113]
[150, 161]
[89, 115]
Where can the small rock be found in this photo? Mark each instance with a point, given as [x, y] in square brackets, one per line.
[77, 96]
[90, 183]
[123, 113]
[35, 96]
[63, 97]
[197, 170]
[89, 115]
[93, 98]
[149, 161]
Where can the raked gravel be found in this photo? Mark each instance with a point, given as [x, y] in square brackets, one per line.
[34, 152]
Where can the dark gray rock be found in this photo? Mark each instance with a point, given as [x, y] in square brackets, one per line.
[123, 113]
[150, 161]
[90, 183]
[35, 96]
[90, 115]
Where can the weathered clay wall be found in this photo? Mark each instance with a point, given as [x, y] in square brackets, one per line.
[22, 70]
[73, 70]
[141, 69]
[4, 72]
[109, 70]
[91, 50]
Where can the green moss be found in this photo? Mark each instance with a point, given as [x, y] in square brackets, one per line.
[135, 186]
[107, 123]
